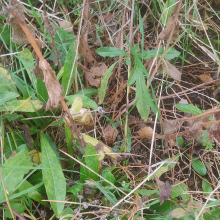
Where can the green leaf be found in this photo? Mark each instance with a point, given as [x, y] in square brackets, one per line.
[180, 141]
[214, 215]
[180, 190]
[14, 170]
[69, 69]
[110, 52]
[104, 83]
[22, 106]
[75, 189]
[5, 34]
[167, 11]
[87, 92]
[142, 97]
[84, 172]
[199, 167]
[206, 187]
[171, 54]
[108, 176]
[42, 91]
[87, 102]
[18, 207]
[135, 74]
[6, 96]
[152, 53]
[33, 194]
[188, 108]
[91, 160]
[53, 177]
[68, 211]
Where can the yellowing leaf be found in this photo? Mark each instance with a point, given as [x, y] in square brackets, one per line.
[35, 156]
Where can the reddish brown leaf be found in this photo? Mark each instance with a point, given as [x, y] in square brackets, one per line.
[28, 136]
[173, 72]
[205, 78]
[146, 133]
[18, 35]
[110, 134]
[53, 86]
[171, 126]
[99, 69]
[85, 51]
[91, 78]
[165, 192]
[166, 32]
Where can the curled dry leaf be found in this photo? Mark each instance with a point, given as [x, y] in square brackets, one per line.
[85, 51]
[91, 78]
[110, 134]
[53, 86]
[165, 192]
[66, 25]
[146, 133]
[18, 35]
[99, 69]
[173, 72]
[205, 78]
[166, 32]
[171, 126]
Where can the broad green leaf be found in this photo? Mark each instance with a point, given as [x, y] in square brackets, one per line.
[68, 211]
[104, 83]
[142, 97]
[75, 189]
[199, 167]
[5, 34]
[91, 160]
[53, 177]
[84, 172]
[178, 213]
[214, 215]
[180, 190]
[13, 171]
[33, 194]
[87, 92]
[69, 69]
[87, 102]
[18, 207]
[165, 208]
[152, 53]
[180, 141]
[108, 176]
[110, 52]
[206, 187]
[146, 192]
[188, 108]
[135, 74]
[42, 91]
[171, 54]
[22, 106]
[6, 96]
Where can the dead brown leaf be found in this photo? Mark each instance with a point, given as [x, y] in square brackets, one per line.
[146, 133]
[99, 69]
[85, 51]
[173, 72]
[13, 154]
[165, 192]
[18, 35]
[205, 78]
[217, 2]
[66, 25]
[91, 78]
[28, 136]
[53, 86]
[110, 134]
[171, 126]
[166, 32]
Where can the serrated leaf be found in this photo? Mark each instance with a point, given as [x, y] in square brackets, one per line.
[104, 83]
[199, 167]
[188, 108]
[67, 79]
[110, 52]
[33, 194]
[152, 53]
[6, 96]
[22, 106]
[13, 171]
[142, 97]
[91, 160]
[134, 75]
[53, 177]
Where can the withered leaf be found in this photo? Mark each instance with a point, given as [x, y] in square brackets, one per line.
[197, 22]
[165, 192]
[205, 78]
[146, 133]
[99, 69]
[66, 25]
[91, 78]
[110, 134]
[18, 35]
[28, 136]
[166, 32]
[53, 86]
[171, 126]
[173, 72]
[85, 51]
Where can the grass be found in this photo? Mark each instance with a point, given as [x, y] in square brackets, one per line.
[138, 144]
